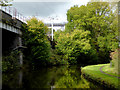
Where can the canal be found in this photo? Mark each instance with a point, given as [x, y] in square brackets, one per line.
[52, 77]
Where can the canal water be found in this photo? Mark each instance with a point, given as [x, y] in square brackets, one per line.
[49, 78]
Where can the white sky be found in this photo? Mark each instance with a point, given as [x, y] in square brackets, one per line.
[47, 8]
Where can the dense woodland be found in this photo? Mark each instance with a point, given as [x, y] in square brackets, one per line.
[89, 37]
[90, 34]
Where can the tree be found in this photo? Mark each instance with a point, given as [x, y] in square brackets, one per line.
[72, 45]
[5, 2]
[95, 28]
[38, 46]
[100, 20]
[73, 14]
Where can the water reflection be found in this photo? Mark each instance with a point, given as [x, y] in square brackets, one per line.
[54, 77]
[72, 79]
[20, 78]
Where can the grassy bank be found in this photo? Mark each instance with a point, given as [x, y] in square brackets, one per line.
[93, 73]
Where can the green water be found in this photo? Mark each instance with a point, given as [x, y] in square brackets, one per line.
[49, 78]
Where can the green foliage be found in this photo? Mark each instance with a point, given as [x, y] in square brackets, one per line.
[96, 20]
[67, 81]
[71, 79]
[56, 59]
[115, 60]
[5, 2]
[73, 14]
[72, 45]
[112, 63]
[38, 46]
[10, 62]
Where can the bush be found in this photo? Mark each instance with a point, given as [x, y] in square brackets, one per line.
[112, 63]
[56, 59]
[10, 62]
[115, 59]
[73, 45]
[36, 41]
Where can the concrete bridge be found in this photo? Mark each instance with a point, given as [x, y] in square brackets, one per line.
[10, 31]
[56, 26]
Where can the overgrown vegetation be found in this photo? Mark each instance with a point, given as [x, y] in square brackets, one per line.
[72, 46]
[5, 2]
[115, 61]
[90, 34]
[89, 37]
[71, 80]
[56, 59]
[35, 39]
[11, 62]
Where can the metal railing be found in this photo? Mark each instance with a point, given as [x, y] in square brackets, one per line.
[14, 13]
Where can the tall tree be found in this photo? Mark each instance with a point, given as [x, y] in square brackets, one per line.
[38, 46]
[100, 19]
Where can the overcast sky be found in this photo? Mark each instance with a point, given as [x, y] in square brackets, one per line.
[47, 8]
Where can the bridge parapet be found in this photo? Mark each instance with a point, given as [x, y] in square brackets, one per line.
[10, 23]
[13, 12]
[8, 19]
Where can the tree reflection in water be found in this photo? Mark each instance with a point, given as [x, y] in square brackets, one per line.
[71, 79]
[52, 77]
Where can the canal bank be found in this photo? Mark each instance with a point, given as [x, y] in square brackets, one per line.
[97, 74]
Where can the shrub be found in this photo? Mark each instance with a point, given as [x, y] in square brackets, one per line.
[36, 41]
[71, 46]
[115, 59]
[10, 62]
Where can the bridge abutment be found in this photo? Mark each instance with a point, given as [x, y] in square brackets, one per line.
[11, 35]
[21, 54]
[11, 42]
